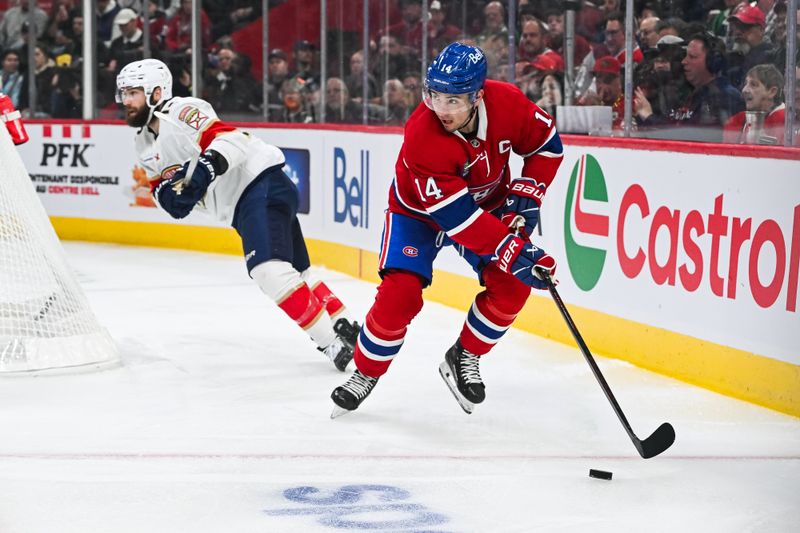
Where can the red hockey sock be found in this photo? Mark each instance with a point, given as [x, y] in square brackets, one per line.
[398, 301]
[332, 304]
[302, 306]
[493, 311]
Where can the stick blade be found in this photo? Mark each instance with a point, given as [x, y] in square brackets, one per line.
[661, 439]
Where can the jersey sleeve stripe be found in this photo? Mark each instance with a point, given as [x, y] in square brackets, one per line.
[457, 214]
[553, 146]
[211, 131]
[464, 225]
[551, 155]
[444, 203]
[405, 204]
[550, 135]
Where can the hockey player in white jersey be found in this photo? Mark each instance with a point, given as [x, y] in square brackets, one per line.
[194, 161]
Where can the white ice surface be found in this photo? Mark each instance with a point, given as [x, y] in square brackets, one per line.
[219, 416]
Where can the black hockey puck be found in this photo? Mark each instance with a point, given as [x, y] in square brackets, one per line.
[600, 474]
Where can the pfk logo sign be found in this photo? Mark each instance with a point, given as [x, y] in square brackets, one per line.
[63, 154]
[587, 185]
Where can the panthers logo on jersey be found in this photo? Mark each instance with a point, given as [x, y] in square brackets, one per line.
[193, 117]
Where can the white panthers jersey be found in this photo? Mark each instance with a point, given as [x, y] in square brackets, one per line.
[178, 140]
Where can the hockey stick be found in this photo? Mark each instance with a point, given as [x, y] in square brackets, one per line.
[663, 437]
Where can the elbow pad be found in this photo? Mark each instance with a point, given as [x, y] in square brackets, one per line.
[218, 161]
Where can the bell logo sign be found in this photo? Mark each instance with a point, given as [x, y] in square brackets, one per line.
[697, 247]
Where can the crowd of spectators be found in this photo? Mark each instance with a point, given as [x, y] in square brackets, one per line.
[703, 70]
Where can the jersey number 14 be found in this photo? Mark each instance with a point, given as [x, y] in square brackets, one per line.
[431, 189]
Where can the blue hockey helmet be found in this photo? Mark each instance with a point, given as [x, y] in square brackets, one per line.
[458, 69]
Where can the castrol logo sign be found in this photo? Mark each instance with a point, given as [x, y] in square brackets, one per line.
[667, 235]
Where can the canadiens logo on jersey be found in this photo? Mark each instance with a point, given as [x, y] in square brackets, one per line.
[481, 192]
[193, 117]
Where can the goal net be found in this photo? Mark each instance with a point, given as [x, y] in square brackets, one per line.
[45, 319]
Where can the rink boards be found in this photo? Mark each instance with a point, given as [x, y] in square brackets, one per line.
[679, 258]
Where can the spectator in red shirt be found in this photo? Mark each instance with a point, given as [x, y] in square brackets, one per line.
[158, 25]
[532, 39]
[409, 30]
[796, 121]
[555, 23]
[762, 97]
[607, 72]
[179, 29]
[613, 46]
[533, 42]
[440, 33]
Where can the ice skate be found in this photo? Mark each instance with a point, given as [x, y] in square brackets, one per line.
[339, 353]
[349, 396]
[347, 331]
[341, 350]
[461, 374]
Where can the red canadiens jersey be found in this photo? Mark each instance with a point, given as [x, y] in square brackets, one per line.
[453, 182]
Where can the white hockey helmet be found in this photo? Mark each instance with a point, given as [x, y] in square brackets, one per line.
[147, 74]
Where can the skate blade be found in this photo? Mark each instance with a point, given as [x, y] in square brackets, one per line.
[466, 405]
[338, 411]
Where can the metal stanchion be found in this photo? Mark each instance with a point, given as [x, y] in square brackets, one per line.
[197, 51]
[570, 6]
[265, 56]
[628, 94]
[791, 80]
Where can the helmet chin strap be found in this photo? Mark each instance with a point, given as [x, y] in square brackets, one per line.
[469, 118]
[153, 107]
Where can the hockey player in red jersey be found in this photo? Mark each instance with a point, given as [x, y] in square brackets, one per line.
[196, 162]
[453, 186]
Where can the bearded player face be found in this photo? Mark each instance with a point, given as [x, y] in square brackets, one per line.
[136, 110]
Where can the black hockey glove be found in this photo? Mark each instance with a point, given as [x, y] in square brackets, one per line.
[524, 199]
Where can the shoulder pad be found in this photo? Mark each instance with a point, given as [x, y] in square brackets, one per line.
[197, 114]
